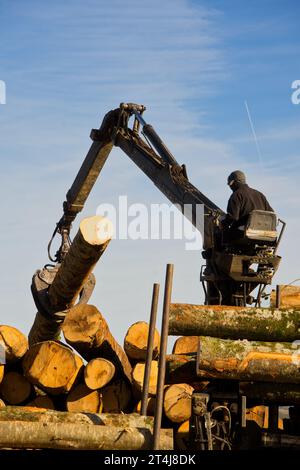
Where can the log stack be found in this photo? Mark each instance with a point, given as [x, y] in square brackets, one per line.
[47, 386]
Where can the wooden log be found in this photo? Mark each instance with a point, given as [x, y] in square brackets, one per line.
[26, 435]
[237, 360]
[82, 399]
[89, 244]
[138, 377]
[262, 324]
[2, 404]
[249, 360]
[15, 388]
[181, 368]
[151, 402]
[181, 437]
[264, 392]
[42, 402]
[98, 373]
[51, 366]
[259, 414]
[185, 345]
[116, 397]
[78, 373]
[178, 402]
[23, 413]
[135, 343]
[14, 342]
[86, 330]
[289, 296]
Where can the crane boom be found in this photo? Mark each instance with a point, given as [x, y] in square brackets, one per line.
[161, 167]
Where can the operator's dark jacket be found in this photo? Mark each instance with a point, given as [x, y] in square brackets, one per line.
[242, 201]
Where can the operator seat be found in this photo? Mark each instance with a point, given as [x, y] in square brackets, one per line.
[260, 228]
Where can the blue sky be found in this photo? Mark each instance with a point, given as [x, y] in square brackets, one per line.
[193, 64]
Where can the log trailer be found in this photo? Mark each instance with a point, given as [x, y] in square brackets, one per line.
[230, 275]
[232, 271]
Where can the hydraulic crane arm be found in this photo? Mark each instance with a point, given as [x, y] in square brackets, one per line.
[160, 166]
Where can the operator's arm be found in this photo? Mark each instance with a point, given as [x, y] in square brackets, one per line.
[233, 210]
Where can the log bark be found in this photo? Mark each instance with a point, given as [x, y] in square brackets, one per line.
[21, 413]
[87, 332]
[261, 324]
[26, 435]
[289, 296]
[51, 366]
[98, 373]
[89, 244]
[15, 344]
[249, 360]
[135, 343]
[116, 397]
[237, 360]
[138, 377]
[178, 402]
[15, 388]
[186, 345]
[263, 392]
[82, 399]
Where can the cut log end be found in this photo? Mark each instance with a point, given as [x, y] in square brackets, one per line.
[14, 342]
[138, 377]
[178, 402]
[135, 343]
[96, 230]
[116, 397]
[15, 388]
[82, 399]
[50, 366]
[98, 373]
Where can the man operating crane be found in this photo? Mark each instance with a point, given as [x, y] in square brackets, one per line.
[242, 201]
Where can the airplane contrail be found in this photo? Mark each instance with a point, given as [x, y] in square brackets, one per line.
[254, 134]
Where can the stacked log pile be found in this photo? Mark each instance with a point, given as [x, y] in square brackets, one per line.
[86, 393]
[47, 387]
[259, 347]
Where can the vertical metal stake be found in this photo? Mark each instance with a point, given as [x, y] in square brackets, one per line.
[150, 342]
[278, 296]
[162, 356]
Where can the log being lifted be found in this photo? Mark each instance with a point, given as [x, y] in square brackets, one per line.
[238, 360]
[86, 330]
[89, 244]
[261, 324]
